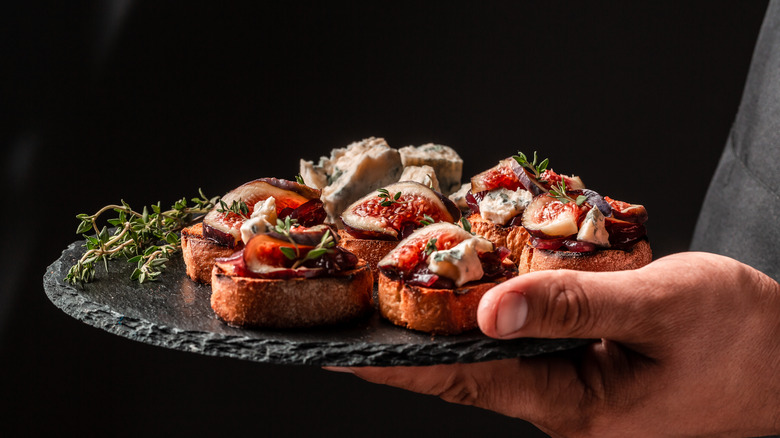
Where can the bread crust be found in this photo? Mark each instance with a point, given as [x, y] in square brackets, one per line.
[199, 253]
[436, 311]
[533, 259]
[372, 251]
[513, 237]
[290, 303]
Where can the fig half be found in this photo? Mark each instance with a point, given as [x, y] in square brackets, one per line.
[504, 174]
[225, 227]
[396, 208]
[549, 218]
[410, 251]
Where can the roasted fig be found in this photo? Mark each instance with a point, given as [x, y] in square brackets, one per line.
[224, 227]
[503, 175]
[307, 214]
[550, 178]
[627, 212]
[410, 251]
[399, 206]
[593, 198]
[623, 233]
[548, 218]
[263, 253]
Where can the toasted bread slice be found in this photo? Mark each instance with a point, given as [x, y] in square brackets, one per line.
[200, 252]
[512, 237]
[436, 311]
[295, 302]
[372, 251]
[533, 259]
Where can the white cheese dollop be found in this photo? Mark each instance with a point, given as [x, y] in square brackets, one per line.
[461, 262]
[263, 216]
[501, 205]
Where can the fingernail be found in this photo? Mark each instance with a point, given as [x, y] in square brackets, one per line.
[512, 313]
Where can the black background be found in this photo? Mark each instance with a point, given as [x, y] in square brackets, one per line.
[148, 102]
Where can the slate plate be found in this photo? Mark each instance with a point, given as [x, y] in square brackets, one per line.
[174, 312]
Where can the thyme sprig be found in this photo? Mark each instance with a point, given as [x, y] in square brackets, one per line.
[388, 199]
[558, 191]
[238, 207]
[537, 169]
[430, 247]
[146, 238]
[327, 242]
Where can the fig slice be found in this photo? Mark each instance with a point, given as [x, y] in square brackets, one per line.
[410, 251]
[548, 218]
[504, 174]
[627, 212]
[405, 204]
[225, 228]
[623, 233]
[308, 214]
[263, 254]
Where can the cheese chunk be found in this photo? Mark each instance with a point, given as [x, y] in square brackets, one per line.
[593, 229]
[461, 262]
[263, 216]
[424, 175]
[501, 205]
[445, 161]
[352, 172]
[459, 197]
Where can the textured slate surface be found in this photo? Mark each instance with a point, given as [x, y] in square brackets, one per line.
[174, 312]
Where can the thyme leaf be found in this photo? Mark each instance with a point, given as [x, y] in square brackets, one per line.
[466, 224]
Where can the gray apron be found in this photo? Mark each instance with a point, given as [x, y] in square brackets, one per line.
[740, 217]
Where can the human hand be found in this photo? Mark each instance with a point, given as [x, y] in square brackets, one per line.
[690, 346]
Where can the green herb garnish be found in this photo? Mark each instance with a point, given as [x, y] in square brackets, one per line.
[430, 247]
[558, 191]
[145, 238]
[532, 166]
[466, 224]
[324, 247]
[388, 199]
[237, 207]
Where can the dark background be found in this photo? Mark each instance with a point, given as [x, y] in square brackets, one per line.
[148, 102]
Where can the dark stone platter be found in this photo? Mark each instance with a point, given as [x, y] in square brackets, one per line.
[174, 312]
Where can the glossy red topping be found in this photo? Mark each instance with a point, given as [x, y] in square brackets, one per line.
[396, 211]
[501, 175]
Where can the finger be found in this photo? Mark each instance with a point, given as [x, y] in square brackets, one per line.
[521, 388]
[568, 304]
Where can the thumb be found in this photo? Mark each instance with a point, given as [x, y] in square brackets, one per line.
[566, 304]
